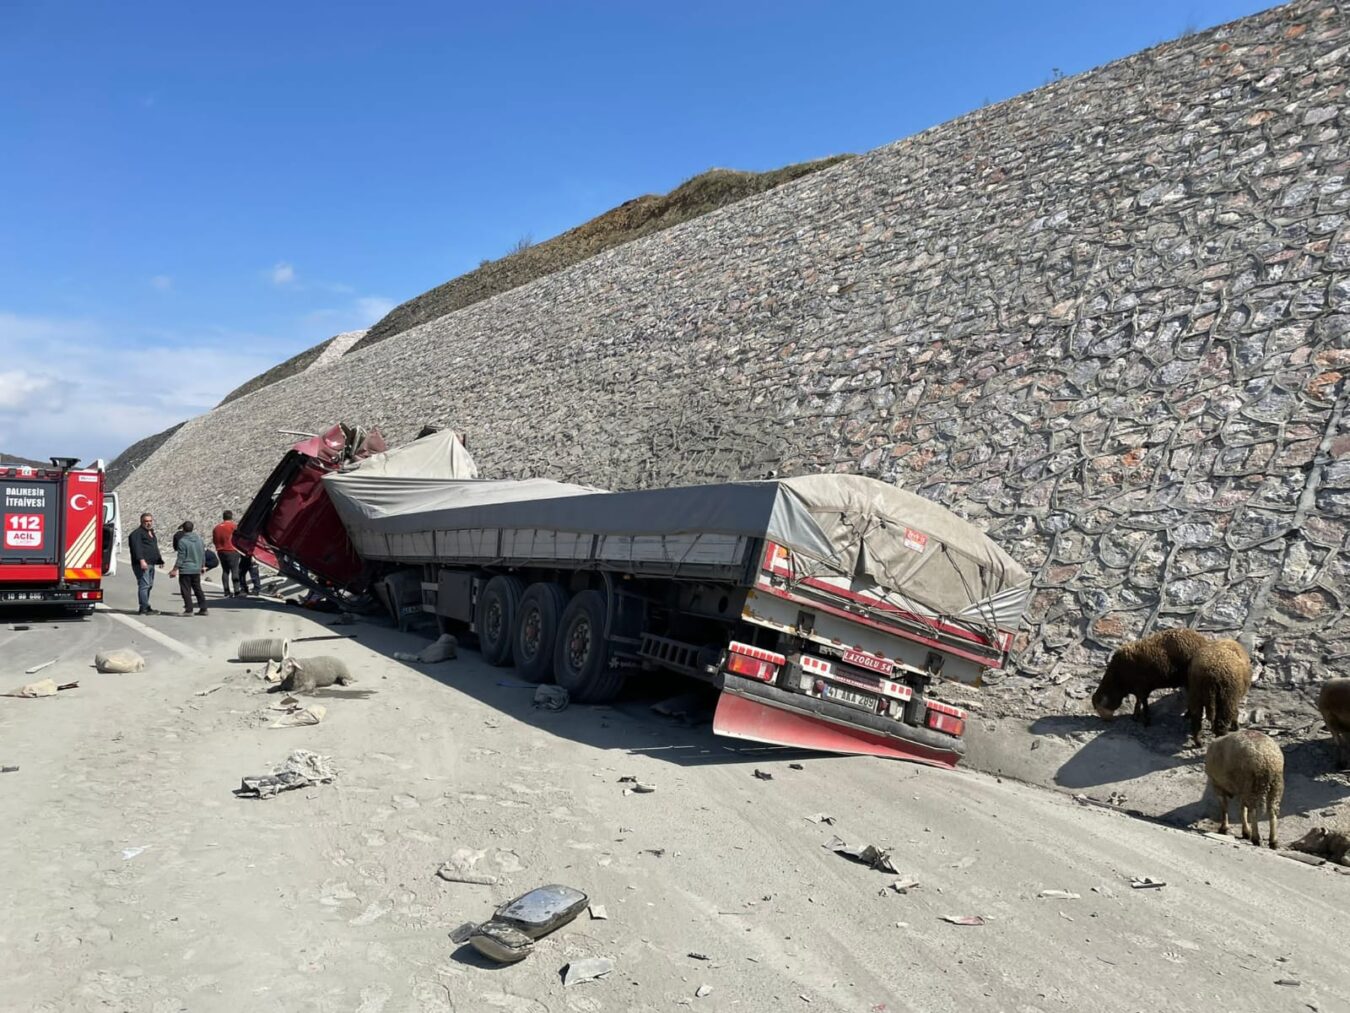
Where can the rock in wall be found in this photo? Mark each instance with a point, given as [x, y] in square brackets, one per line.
[1109, 320]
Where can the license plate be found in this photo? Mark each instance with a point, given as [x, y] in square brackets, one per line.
[868, 662]
[865, 701]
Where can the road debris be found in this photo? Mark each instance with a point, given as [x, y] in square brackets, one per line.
[38, 668]
[903, 886]
[703, 991]
[209, 689]
[590, 969]
[636, 787]
[459, 869]
[41, 688]
[796, 766]
[1289, 982]
[299, 717]
[9, 770]
[597, 912]
[129, 853]
[551, 698]
[503, 943]
[964, 919]
[301, 769]
[1060, 895]
[1146, 883]
[698, 956]
[120, 661]
[763, 775]
[443, 648]
[265, 649]
[825, 818]
[869, 854]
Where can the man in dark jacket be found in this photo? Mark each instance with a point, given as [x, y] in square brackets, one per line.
[188, 566]
[144, 558]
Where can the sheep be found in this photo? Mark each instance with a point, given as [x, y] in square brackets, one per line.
[1333, 845]
[1333, 703]
[1160, 661]
[1217, 683]
[1248, 766]
[305, 675]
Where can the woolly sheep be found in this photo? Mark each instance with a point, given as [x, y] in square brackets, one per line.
[1159, 661]
[1217, 683]
[1333, 703]
[1248, 766]
[305, 675]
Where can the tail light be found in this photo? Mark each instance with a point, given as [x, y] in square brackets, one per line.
[753, 662]
[946, 718]
[88, 595]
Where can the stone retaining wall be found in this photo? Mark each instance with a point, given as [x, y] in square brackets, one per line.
[1108, 320]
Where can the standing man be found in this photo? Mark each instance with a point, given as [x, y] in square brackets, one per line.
[187, 567]
[222, 537]
[248, 567]
[144, 558]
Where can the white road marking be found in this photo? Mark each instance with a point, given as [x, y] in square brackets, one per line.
[178, 647]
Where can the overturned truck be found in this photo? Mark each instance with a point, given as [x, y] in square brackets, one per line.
[825, 608]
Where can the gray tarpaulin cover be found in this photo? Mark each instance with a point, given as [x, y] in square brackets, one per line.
[845, 525]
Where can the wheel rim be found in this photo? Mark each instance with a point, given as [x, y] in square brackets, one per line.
[531, 627]
[579, 644]
[493, 621]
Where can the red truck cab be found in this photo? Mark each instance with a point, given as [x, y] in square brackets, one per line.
[59, 529]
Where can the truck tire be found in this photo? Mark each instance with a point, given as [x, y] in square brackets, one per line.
[496, 619]
[541, 609]
[581, 656]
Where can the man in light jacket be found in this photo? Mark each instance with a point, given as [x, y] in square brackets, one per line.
[188, 569]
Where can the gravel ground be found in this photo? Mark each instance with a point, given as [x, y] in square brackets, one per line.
[136, 881]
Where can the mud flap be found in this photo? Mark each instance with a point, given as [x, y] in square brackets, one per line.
[763, 714]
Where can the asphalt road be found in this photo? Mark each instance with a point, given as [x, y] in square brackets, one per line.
[135, 880]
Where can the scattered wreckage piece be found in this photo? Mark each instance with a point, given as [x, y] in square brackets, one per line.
[590, 969]
[869, 855]
[508, 936]
[38, 668]
[41, 688]
[299, 717]
[265, 649]
[119, 662]
[443, 648]
[551, 698]
[300, 769]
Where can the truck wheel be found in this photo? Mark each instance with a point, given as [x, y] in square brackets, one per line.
[581, 656]
[496, 619]
[541, 608]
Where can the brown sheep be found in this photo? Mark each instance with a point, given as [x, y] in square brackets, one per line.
[1160, 661]
[1217, 683]
[1333, 703]
[1248, 766]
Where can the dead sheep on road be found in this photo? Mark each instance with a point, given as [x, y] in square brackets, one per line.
[1248, 766]
[1333, 703]
[1220, 675]
[305, 675]
[1159, 661]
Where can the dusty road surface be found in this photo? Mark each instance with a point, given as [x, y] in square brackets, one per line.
[135, 880]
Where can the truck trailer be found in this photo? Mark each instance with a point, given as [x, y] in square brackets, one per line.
[58, 532]
[827, 610]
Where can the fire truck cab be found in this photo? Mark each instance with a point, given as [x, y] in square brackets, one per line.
[59, 530]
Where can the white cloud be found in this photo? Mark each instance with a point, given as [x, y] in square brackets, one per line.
[74, 387]
[19, 389]
[373, 307]
[283, 273]
[162, 282]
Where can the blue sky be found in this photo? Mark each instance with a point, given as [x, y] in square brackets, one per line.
[190, 193]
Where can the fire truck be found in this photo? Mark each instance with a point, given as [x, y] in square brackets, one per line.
[59, 529]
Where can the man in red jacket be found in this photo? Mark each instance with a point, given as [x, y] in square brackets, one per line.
[222, 537]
